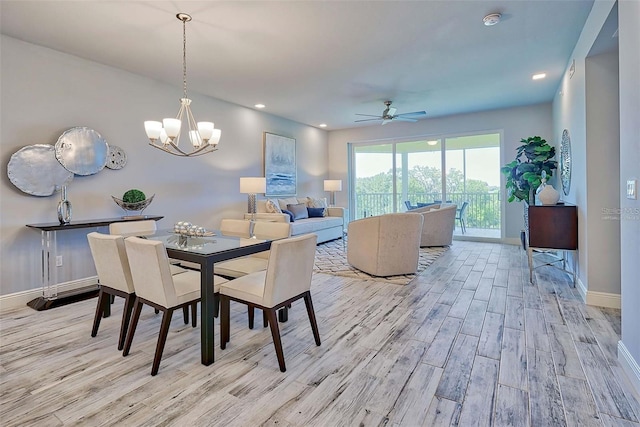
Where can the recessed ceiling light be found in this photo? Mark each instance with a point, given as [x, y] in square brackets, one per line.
[260, 106]
[539, 76]
[491, 19]
[323, 125]
[433, 142]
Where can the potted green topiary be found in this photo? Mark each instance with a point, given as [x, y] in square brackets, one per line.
[524, 174]
[133, 200]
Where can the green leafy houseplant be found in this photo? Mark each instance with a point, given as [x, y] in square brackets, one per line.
[524, 173]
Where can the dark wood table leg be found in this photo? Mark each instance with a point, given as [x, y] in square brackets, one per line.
[207, 312]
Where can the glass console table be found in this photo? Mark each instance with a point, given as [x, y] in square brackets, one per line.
[48, 240]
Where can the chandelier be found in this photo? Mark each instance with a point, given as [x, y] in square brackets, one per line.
[165, 135]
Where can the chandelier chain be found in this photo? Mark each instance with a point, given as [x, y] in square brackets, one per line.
[184, 57]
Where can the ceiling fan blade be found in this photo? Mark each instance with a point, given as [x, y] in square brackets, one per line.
[385, 121]
[414, 115]
[391, 111]
[404, 119]
[368, 115]
[367, 120]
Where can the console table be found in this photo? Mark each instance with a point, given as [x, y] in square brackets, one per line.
[48, 233]
[553, 228]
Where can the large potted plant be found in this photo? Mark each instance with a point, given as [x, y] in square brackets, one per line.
[524, 173]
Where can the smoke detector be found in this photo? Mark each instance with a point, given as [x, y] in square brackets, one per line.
[491, 19]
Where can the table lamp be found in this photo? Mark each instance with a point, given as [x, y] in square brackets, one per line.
[252, 186]
[332, 185]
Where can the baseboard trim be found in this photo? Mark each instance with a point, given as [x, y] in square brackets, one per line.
[599, 299]
[582, 289]
[20, 299]
[629, 365]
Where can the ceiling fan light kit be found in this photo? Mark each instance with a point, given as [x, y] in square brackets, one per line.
[389, 114]
[165, 135]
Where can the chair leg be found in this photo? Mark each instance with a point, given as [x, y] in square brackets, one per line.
[162, 339]
[132, 327]
[275, 333]
[102, 300]
[265, 320]
[126, 318]
[185, 314]
[312, 316]
[216, 304]
[250, 315]
[156, 310]
[194, 313]
[224, 321]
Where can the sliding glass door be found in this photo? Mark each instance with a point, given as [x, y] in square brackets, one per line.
[402, 175]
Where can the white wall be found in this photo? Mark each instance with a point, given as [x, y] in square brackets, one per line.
[570, 112]
[629, 40]
[516, 123]
[603, 159]
[45, 92]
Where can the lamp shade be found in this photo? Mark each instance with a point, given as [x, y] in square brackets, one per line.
[332, 185]
[253, 185]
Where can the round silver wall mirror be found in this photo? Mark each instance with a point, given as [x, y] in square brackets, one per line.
[82, 151]
[35, 170]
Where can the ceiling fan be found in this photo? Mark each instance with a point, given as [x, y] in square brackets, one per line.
[389, 114]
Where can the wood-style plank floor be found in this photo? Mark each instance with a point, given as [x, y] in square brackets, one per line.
[469, 342]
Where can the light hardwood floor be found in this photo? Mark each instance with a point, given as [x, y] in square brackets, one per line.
[469, 342]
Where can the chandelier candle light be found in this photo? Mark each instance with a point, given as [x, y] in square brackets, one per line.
[333, 185]
[165, 135]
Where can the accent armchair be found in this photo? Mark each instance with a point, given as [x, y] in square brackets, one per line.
[385, 245]
[438, 225]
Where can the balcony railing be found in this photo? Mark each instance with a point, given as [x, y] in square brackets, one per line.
[483, 210]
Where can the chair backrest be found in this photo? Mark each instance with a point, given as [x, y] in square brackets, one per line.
[235, 227]
[150, 271]
[407, 203]
[271, 230]
[463, 209]
[290, 268]
[133, 228]
[110, 257]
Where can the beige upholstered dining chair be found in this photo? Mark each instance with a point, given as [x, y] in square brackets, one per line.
[155, 286]
[114, 275]
[385, 245]
[238, 267]
[286, 279]
[131, 228]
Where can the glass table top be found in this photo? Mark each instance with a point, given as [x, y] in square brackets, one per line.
[203, 245]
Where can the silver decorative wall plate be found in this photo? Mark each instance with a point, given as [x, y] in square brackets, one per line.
[82, 151]
[35, 170]
[116, 158]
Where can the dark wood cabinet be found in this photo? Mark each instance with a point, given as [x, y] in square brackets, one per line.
[553, 227]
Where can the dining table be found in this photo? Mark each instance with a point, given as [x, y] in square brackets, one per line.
[206, 251]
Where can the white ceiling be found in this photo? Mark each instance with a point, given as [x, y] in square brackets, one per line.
[323, 61]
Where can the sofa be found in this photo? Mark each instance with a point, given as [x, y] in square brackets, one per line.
[327, 227]
[438, 224]
[385, 245]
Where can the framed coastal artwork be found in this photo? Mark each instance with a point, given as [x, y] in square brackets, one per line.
[280, 165]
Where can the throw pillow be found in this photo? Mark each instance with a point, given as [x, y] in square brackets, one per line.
[288, 201]
[291, 218]
[315, 212]
[299, 211]
[272, 206]
[318, 203]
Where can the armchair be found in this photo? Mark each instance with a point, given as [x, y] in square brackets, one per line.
[385, 245]
[438, 225]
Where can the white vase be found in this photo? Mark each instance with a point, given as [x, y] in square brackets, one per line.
[548, 195]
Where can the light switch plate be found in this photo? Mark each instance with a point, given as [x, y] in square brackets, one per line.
[632, 189]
